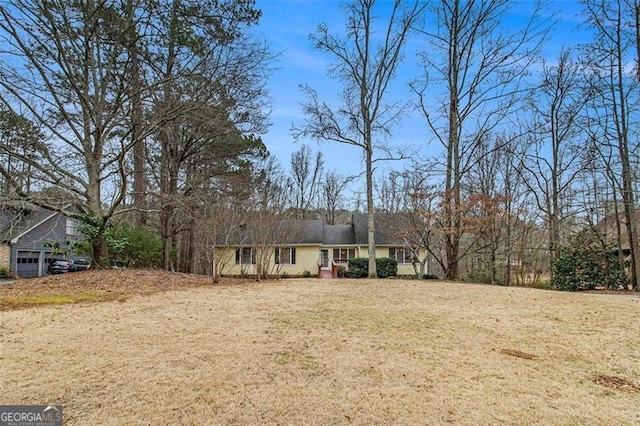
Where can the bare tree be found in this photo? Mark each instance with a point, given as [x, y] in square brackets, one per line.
[413, 202]
[517, 200]
[19, 138]
[556, 156]
[393, 192]
[270, 223]
[365, 64]
[63, 66]
[332, 195]
[219, 218]
[602, 192]
[306, 178]
[614, 85]
[481, 65]
[490, 204]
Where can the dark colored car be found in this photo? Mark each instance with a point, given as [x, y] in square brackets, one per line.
[60, 266]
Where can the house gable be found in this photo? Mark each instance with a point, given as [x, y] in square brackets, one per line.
[18, 218]
[27, 233]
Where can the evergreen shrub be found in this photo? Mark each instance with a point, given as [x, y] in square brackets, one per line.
[385, 267]
[586, 264]
[358, 267]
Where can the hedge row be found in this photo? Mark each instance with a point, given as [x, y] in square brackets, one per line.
[385, 267]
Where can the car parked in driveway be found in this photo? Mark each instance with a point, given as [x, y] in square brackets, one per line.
[61, 266]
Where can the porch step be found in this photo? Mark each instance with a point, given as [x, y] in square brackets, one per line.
[325, 274]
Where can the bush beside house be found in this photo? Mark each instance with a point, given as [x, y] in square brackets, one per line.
[386, 267]
[586, 264]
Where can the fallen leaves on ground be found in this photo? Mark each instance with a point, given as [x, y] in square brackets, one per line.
[108, 284]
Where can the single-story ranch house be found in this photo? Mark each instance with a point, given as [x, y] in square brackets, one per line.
[26, 234]
[306, 248]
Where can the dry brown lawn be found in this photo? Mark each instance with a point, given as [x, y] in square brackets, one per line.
[325, 352]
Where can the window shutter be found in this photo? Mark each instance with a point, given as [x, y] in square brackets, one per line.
[277, 256]
[293, 255]
[238, 256]
[392, 254]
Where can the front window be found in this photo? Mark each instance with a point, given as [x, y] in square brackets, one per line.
[400, 254]
[245, 256]
[342, 255]
[285, 256]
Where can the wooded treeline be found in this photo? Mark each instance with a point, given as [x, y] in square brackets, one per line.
[151, 113]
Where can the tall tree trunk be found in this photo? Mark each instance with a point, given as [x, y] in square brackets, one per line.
[636, 249]
[371, 229]
[137, 120]
[508, 225]
[139, 176]
[627, 177]
[553, 207]
[630, 217]
[452, 188]
[186, 255]
[99, 250]
[167, 193]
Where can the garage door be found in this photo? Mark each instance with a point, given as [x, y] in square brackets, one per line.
[28, 264]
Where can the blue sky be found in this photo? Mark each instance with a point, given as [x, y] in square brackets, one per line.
[287, 24]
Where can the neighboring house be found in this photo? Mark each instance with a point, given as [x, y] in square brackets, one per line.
[26, 234]
[310, 248]
[611, 225]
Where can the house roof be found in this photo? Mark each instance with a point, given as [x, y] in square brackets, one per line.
[608, 226]
[282, 232]
[313, 232]
[338, 235]
[384, 235]
[18, 218]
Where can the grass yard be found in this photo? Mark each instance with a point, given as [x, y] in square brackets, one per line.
[305, 352]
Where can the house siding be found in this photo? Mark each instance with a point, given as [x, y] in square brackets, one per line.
[404, 269]
[306, 260]
[53, 229]
[50, 230]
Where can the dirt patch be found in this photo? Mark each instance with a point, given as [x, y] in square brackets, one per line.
[518, 354]
[617, 383]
